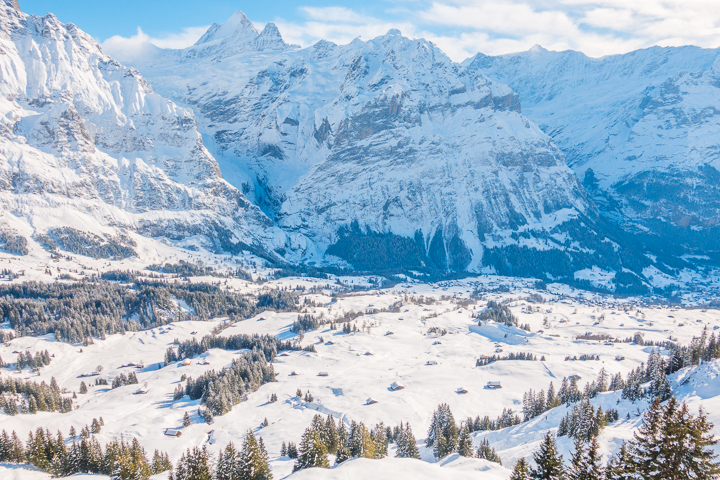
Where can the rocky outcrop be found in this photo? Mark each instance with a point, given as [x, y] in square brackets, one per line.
[86, 142]
[386, 154]
[640, 129]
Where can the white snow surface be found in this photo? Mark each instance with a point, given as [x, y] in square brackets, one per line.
[399, 357]
[645, 122]
[85, 142]
[387, 132]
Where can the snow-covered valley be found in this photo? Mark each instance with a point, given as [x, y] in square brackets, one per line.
[421, 336]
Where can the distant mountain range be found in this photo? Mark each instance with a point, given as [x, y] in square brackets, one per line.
[379, 155]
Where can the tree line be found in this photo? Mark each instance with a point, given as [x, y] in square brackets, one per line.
[77, 312]
[120, 459]
[671, 443]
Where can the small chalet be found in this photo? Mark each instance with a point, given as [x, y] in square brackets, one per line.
[173, 432]
[141, 391]
[397, 386]
[431, 362]
[323, 374]
[187, 362]
[370, 401]
[461, 390]
[494, 385]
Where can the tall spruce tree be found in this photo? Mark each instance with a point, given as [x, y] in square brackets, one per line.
[672, 443]
[253, 460]
[548, 462]
[585, 463]
[228, 464]
[406, 443]
[619, 467]
[465, 445]
[312, 451]
[521, 471]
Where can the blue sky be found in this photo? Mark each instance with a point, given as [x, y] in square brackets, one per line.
[460, 27]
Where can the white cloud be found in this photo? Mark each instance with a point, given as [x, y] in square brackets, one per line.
[337, 24]
[464, 27]
[141, 45]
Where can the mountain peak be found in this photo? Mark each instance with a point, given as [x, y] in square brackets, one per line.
[12, 4]
[237, 26]
[538, 49]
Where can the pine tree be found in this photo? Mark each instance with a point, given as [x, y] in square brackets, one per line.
[380, 441]
[312, 452]
[360, 442]
[406, 443]
[465, 446]
[443, 431]
[585, 463]
[253, 460]
[186, 420]
[331, 439]
[521, 471]
[549, 463]
[194, 465]
[485, 451]
[619, 467]
[672, 443]
[83, 387]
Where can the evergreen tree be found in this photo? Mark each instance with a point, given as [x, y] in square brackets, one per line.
[186, 420]
[465, 446]
[486, 452]
[160, 462]
[254, 460]
[83, 387]
[194, 464]
[548, 463]
[585, 463]
[521, 471]
[360, 442]
[406, 443]
[331, 439]
[619, 466]
[443, 432]
[672, 443]
[312, 452]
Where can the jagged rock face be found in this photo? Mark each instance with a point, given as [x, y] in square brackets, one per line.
[385, 153]
[640, 129]
[85, 139]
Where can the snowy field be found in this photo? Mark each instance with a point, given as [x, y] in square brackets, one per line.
[426, 339]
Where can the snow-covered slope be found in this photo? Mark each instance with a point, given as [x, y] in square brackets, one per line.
[87, 143]
[641, 129]
[384, 152]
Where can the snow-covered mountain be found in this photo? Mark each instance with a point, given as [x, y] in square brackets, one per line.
[87, 143]
[640, 129]
[385, 153]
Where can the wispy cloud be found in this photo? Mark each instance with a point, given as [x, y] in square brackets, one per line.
[129, 49]
[464, 27]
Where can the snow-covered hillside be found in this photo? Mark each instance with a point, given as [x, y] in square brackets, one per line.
[386, 153]
[430, 346]
[86, 143]
[640, 129]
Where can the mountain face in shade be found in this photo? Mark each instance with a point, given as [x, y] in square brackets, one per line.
[385, 153]
[641, 130]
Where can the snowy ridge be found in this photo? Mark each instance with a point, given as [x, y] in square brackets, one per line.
[87, 142]
[381, 142]
[640, 129]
